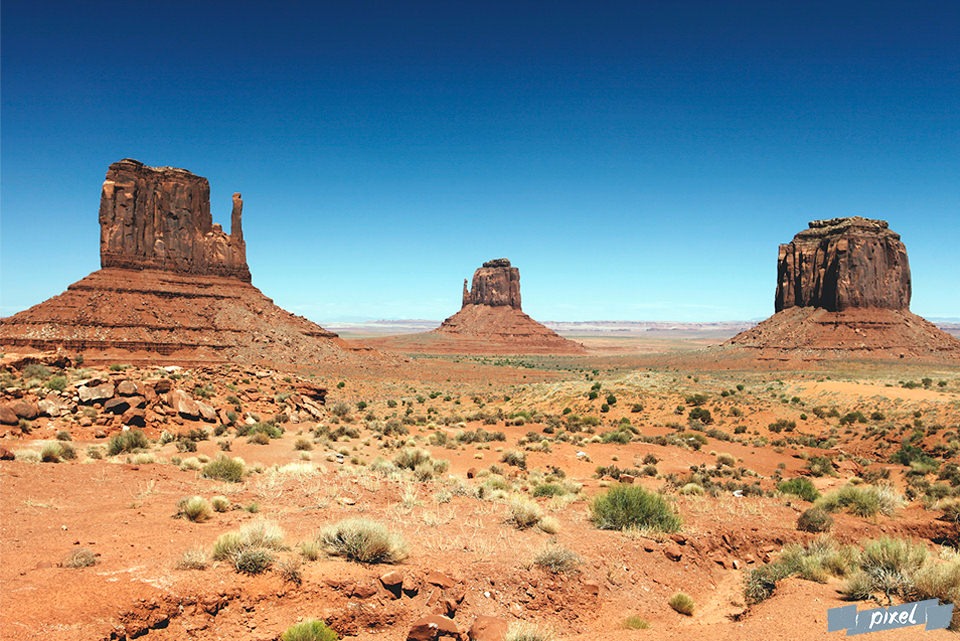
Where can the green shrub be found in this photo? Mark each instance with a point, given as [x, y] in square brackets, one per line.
[800, 486]
[682, 603]
[363, 541]
[815, 520]
[635, 622]
[701, 414]
[862, 500]
[310, 630]
[630, 506]
[253, 560]
[515, 458]
[886, 565]
[195, 508]
[128, 441]
[224, 469]
[57, 383]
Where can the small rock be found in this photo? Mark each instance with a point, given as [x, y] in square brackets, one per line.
[93, 394]
[673, 552]
[440, 580]
[6, 455]
[117, 405]
[592, 588]
[486, 628]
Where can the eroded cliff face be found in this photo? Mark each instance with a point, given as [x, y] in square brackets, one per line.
[159, 218]
[496, 284]
[844, 263]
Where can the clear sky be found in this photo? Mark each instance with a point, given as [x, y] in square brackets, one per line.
[636, 160]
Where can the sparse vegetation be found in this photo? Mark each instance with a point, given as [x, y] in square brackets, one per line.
[682, 603]
[630, 506]
[225, 469]
[363, 541]
[309, 630]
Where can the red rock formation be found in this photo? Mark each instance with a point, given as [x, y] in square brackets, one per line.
[496, 283]
[844, 263]
[173, 286]
[843, 290]
[159, 218]
[490, 321]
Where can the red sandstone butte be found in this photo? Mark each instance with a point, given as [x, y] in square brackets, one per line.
[843, 289]
[173, 285]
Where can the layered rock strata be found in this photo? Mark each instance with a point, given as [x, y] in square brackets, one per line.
[844, 263]
[843, 290]
[159, 218]
[173, 285]
[490, 319]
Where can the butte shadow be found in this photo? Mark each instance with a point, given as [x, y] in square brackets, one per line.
[173, 287]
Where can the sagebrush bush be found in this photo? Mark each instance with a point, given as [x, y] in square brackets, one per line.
[635, 622]
[310, 630]
[815, 520]
[523, 512]
[128, 441]
[800, 486]
[224, 469]
[364, 541]
[862, 500]
[516, 458]
[250, 549]
[556, 559]
[631, 506]
[888, 566]
[220, 504]
[195, 508]
[820, 559]
[682, 603]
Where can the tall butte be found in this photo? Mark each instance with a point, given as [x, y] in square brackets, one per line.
[843, 289]
[172, 284]
[491, 320]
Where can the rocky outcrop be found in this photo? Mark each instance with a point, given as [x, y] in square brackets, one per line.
[159, 218]
[490, 321]
[843, 291]
[495, 284]
[844, 263]
[173, 287]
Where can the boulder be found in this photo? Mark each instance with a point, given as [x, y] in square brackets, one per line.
[8, 416]
[90, 394]
[116, 405]
[25, 409]
[184, 405]
[432, 628]
[486, 628]
[127, 388]
[134, 417]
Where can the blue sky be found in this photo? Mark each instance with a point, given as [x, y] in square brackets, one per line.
[636, 160]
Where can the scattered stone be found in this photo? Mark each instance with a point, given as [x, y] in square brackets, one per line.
[591, 588]
[184, 405]
[134, 417]
[90, 394]
[393, 582]
[117, 405]
[8, 416]
[432, 628]
[440, 580]
[487, 628]
[673, 552]
[127, 388]
[6, 455]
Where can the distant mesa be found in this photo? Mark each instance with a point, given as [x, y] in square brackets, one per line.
[843, 289]
[490, 321]
[173, 284]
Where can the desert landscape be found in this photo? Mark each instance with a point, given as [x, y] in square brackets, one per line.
[181, 458]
